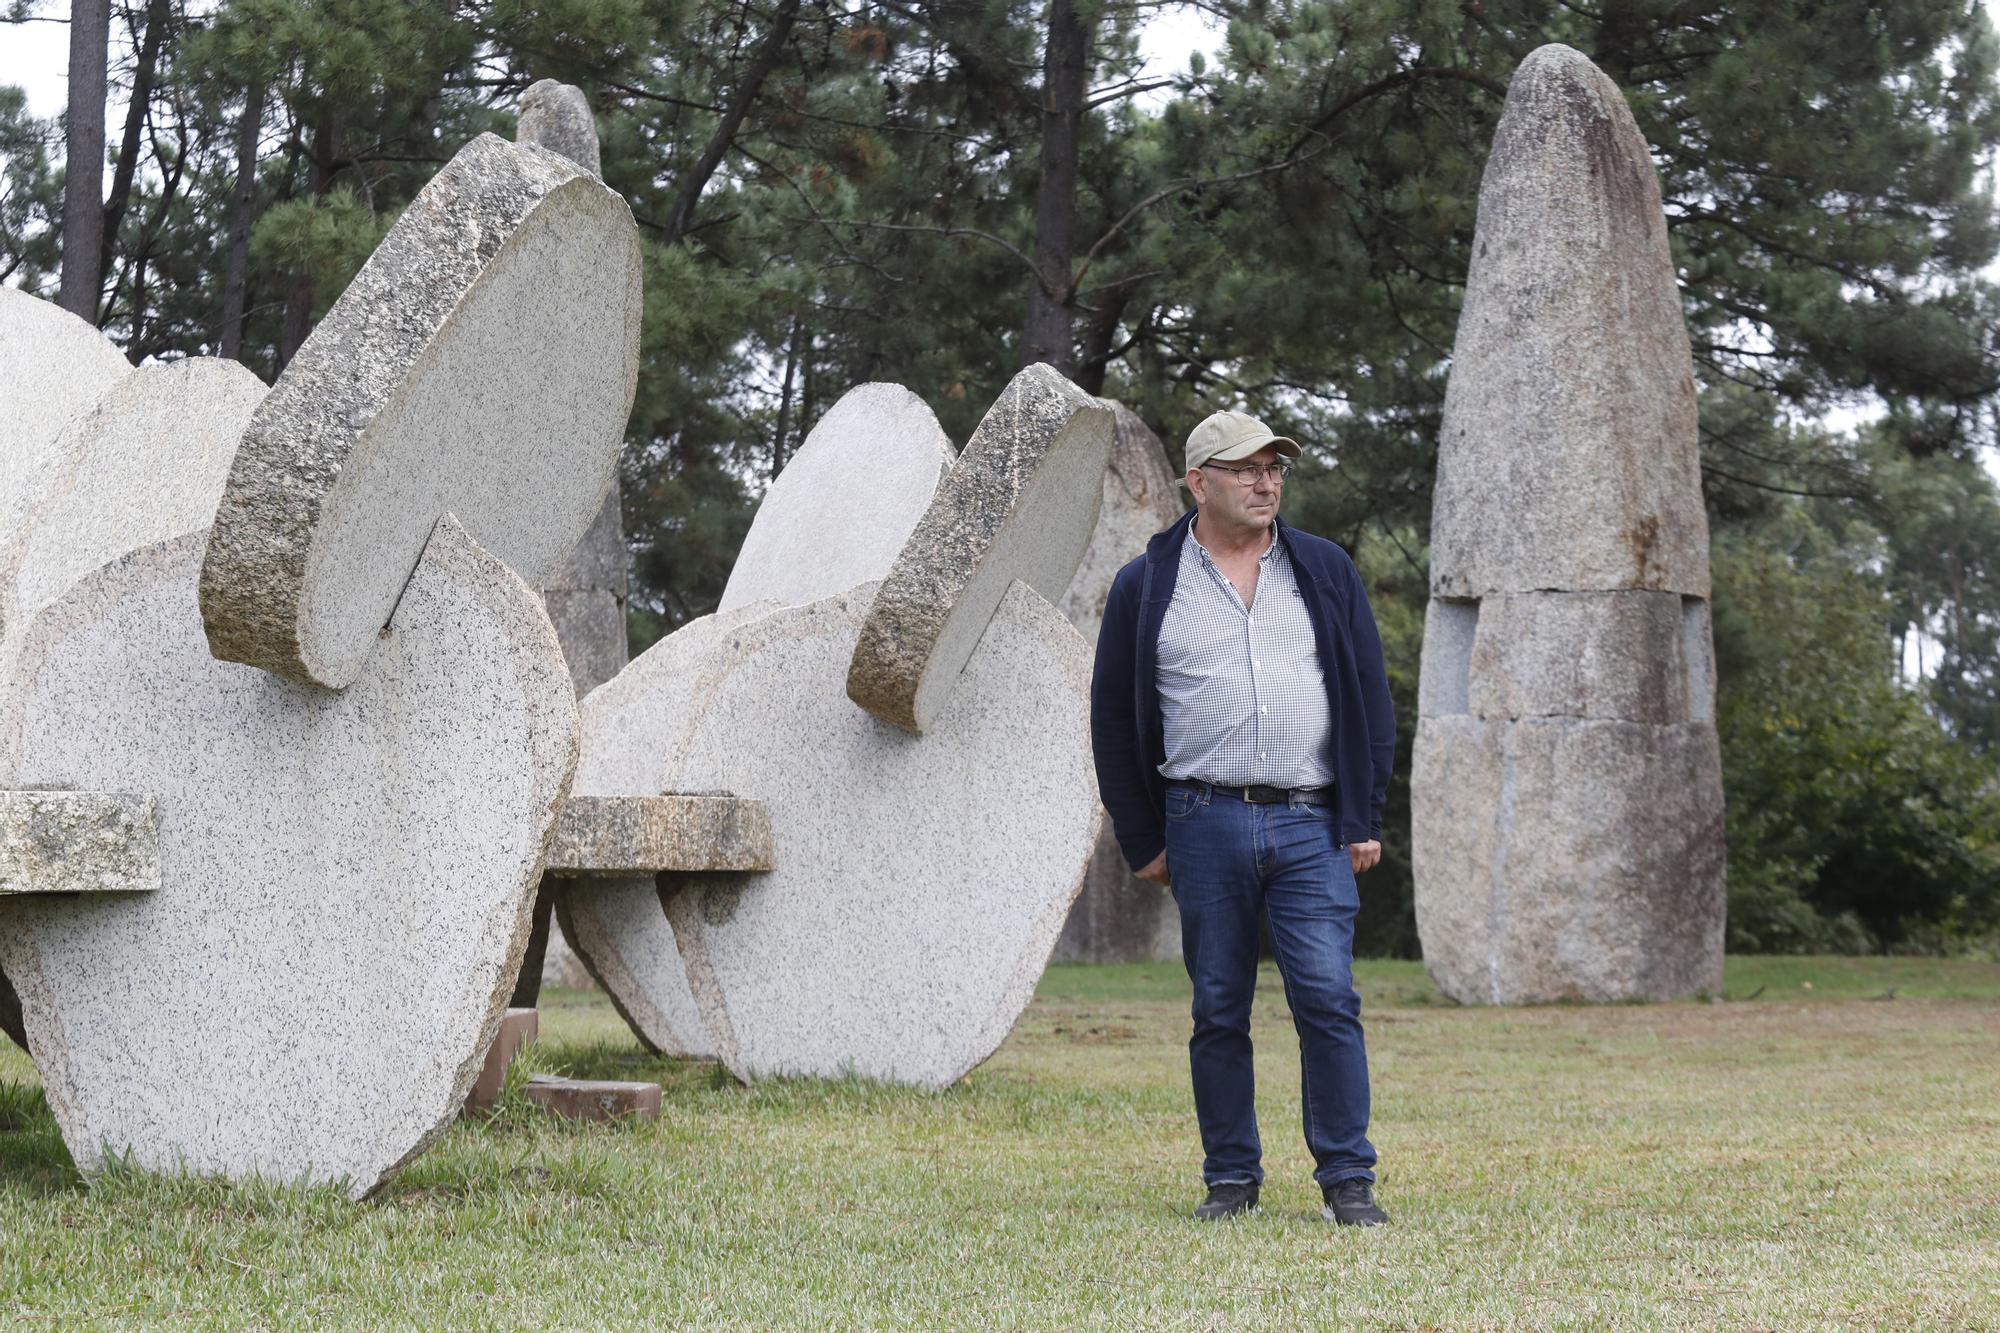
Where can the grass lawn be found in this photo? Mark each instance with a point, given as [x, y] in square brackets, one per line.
[1825, 1154]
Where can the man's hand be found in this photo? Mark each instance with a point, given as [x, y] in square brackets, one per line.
[1155, 869]
[1364, 855]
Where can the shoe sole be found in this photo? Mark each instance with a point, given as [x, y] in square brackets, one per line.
[1339, 1221]
[1224, 1217]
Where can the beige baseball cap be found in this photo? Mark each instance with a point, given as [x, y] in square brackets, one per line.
[1224, 437]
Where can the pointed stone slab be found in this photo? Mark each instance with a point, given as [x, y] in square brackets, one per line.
[842, 509]
[1631, 656]
[1568, 456]
[920, 882]
[637, 835]
[1566, 797]
[380, 846]
[1021, 503]
[586, 591]
[53, 366]
[482, 363]
[557, 117]
[78, 842]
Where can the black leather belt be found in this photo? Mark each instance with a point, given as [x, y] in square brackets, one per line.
[1263, 795]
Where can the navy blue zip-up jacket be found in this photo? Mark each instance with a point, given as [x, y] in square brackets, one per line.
[1128, 736]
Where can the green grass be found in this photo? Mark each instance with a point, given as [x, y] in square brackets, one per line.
[1808, 1158]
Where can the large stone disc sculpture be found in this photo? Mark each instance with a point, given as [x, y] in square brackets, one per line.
[1020, 503]
[1566, 794]
[345, 878]
[839, 513]
[53, 366]
[140, 458]
[919, 881]
[296, 970]
[837, 516]
[513, 256]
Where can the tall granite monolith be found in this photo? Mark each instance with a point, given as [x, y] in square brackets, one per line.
[1567, 790]
[1118, 917]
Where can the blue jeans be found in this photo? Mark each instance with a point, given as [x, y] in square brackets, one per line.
[1229, 860]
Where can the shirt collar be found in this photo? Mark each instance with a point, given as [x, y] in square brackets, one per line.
[1270, 549]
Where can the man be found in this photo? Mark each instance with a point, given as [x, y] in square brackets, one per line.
[1243, 734]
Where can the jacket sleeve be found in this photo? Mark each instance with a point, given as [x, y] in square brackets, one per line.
[1114, 727]
[1376, 704]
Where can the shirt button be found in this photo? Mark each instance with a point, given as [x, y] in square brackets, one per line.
[1264, 708]
[1260, 754]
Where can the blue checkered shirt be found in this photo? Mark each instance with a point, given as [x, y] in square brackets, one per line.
[1242, 694]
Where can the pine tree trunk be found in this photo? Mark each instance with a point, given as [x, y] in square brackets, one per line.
[242, 201]
[159, 14]
[1098, 335]
[1065, 72]
[83, 176]
[778, 451]
[733, 112]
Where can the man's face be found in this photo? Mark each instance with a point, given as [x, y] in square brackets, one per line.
[1221, 493]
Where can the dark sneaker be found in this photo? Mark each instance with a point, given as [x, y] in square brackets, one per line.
[1351, 1203]
[1226, 1201]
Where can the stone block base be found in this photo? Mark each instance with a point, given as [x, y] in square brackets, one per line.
[1564, 859]
[517, 1028]
[594, 1099]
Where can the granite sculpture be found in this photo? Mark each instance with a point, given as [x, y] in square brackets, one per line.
[482, 363]
[919, 881]
[587, 593]
[64, 464]
[364, 812]
[53, 366]
[1566, 793]
[78, 842]
[1020, 504]
[836, 517]
[841, 511]
[1120, 918]
[376, 846]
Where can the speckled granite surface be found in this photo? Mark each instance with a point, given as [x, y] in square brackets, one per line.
[633, 835]
[482, 363]
[1020, 503]
[841, 510]
[920, 881]
[78, 842]
[1566, 793]
[379, 846]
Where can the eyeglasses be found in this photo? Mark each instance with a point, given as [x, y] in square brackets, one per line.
[1248, 476]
